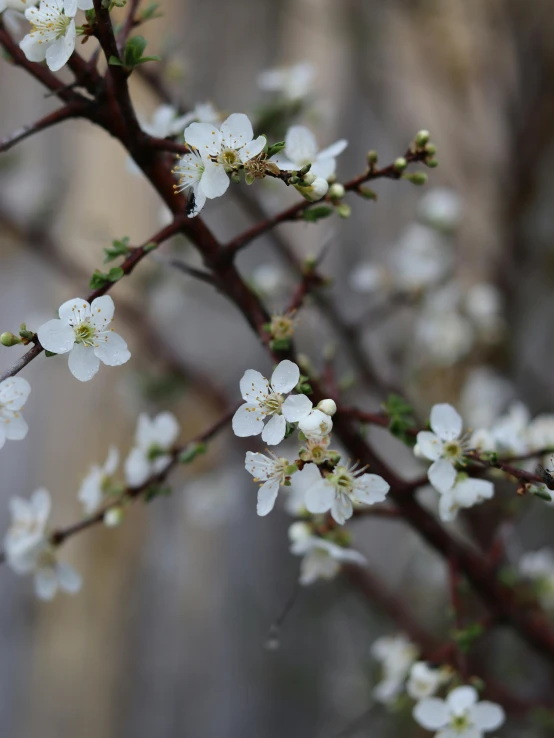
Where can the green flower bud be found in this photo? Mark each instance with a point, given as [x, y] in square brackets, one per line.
[8, 339]
[422, 137]
[417, 178]
[372, 158]
[432, 163]
[336, 191]
[400, 164]
[344, 210]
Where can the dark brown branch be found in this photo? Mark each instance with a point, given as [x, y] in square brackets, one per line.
[74, 109]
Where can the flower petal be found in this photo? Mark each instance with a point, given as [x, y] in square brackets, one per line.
[370, 488]
[32, 48]
[41, 505]
[341, 509]
[16, 428]
[254, 387]
[442, 475]
[296, 407]
[59, 52]
[204, 137]
[14, 392]
[214, 181]
[68, 579]
[259, 465]
[137, 468]
[301, 145]
[56, 336]
[83, 362]
[274, 431]
[431, 713]
[237, 131]
[333, 150]
[46, 583]
[461, 699]
[75, 311]
[101, 312]
[429, 445]
[449, 506]
[320, 496]
[324, 168]
[253, 148]
[113, 350]
[446, 422]
[267, 495]
[487, 716]
[167, 429]
[112, 461]
[248, 420]
[472, 491]
[285, 377]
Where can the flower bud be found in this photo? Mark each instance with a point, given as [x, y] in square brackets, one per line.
[400, 164]
[372, 158]
[113, 517]
[336, 191]
[309, 178]
[329, 407]
[344, 210]
[432, 163]
[8, 339]
[316, 425]
[422, 137]
[315, 191]
[417, 178]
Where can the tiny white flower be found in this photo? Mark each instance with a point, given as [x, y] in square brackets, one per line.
[14, 392]
[443, 446]
[93, 486]
[301, 149]
[272, 471]
[460, 715]
[464, 494]
[223, 150]
[202, 113]
[52, 36]
[189, 170]
[395, 654]
[322, 559]
[424, 680]
[29, 551]
[83, 331]
[151, 455]
[339, 490]
[165, 122]
[263, 400]
[441, 208]
[293, 83]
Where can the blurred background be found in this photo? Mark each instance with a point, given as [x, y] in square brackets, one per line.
[447, 295]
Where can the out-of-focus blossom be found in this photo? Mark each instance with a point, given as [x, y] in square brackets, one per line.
[322, 558]
[293, 83]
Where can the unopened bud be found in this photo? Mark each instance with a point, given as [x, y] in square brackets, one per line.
[8, 339]
[113, 517]
[336, 191]
[315, 191]
[305, 169]
[329, 407]
[344, 210]
[432, 163]
[431, 149]
[372, 158]
[309, 178]
[422, 137]
[400, 164]
[417, 178]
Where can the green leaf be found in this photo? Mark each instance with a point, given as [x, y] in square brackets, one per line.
[280, 344]
[98, 280]
[191, 452]
[144, 59]
[275, 148]
[115, 62]
[115, 274]
[401, 418]
[150, 12]
[48, 354]
[118, 248]
[134, 50]
[156, 490]
[312, 215]
[466, 637]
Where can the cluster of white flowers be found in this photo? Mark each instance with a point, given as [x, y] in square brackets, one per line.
[320, 483]
[53, 31]
[395, 655]
[29, 550]
[445, 447]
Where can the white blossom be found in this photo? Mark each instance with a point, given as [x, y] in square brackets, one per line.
[264, 400]
[272, 472]
[293, 83]
[83, 331]
[301, 149]
[165, 122]
[463, 494]
[52, 36]
[484, 396]
[189, 171]
[460, 715]
[424, 680]
[538, 566]
[441, 208]
[223, 150]
[445, 336]
[92, 489]
[203, 112]
[443, 446]
[322, 558]
[340, 489]
[420, 259]
[14, 392]
[151, 455]
[369, 278]
[29, 551]
[510, 431]
[395, 654]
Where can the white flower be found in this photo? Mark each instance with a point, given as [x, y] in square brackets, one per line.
[263, 400]
[223, 150]
[28, 549]
[464, 494]
[441, 208]
[301, 149]
[420, 259]
[424, 680]
[189, 170]
[93, 486]
[270, 279]
[52, 36]
[443, 446]
[484, 396]
[445, 337]
[369, 278]
[272, 471]
[151, 455]
[460, 715]
[20, 5]
[396, 654]
[482, 440]
[293, 82]
[14, 392]
[83, 330]
[201, 113]
[540, 433]
[322, 558]
[316, 425]
[165, 122]
[539, 567]
[511, 430]
[340, 490]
